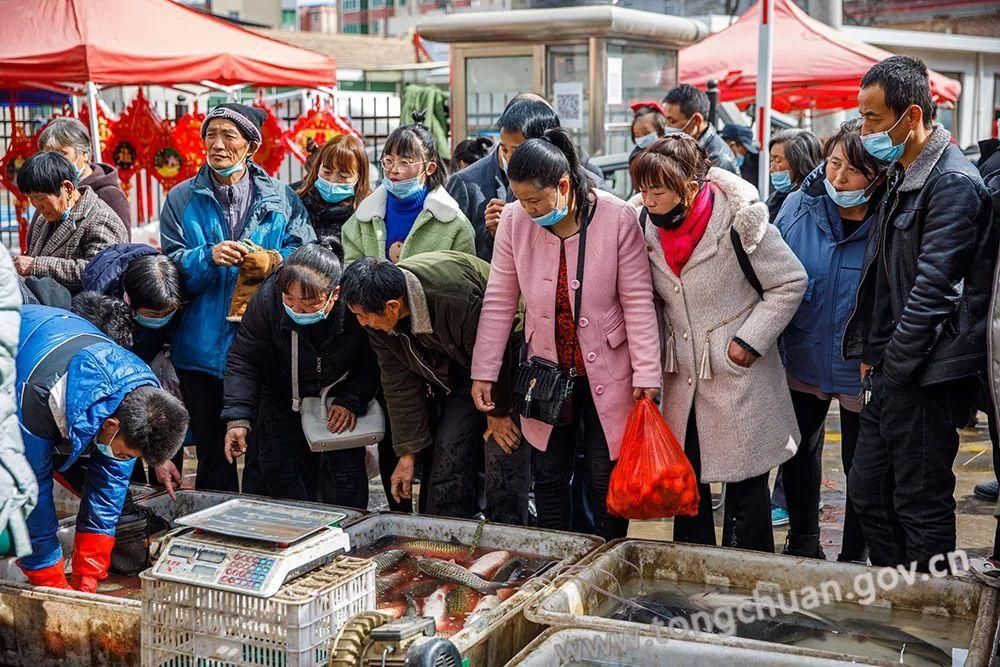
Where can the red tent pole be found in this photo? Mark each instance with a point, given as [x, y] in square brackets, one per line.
[764, 57]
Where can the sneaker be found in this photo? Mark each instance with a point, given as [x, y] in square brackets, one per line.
[986, 570]
[987, 491]
[779, 516]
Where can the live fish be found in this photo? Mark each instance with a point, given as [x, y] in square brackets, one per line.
[434, 548]
[460, 600]
[387, 582]
[487, 566]
[435, 605]
[388, 559]
[512, 570]
[455, 574]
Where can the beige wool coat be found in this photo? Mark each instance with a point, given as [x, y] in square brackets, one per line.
[746, 425]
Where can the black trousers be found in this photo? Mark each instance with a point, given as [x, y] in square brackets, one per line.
[747, 521]
[553, 470]
[901, 484]
[449, 473]
[203, 399]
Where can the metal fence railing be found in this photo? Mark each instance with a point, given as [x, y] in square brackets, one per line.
[374, 115]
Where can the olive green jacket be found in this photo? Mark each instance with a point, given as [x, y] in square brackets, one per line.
[433, 346]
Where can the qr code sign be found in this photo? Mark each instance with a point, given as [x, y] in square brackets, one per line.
[568, 105]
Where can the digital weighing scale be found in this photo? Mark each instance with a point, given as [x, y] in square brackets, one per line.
[250, 546]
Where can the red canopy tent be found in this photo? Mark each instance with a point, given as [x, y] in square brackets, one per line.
[815, 66]
[48, 43]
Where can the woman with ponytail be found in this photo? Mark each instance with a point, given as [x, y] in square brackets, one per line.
[300, 300]
[410, 212]
[728, 285]
[595, 321]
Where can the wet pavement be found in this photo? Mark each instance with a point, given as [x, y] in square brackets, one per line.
[975, 523]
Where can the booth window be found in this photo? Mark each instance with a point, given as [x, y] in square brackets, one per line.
[569, 65]
[645, 74]
[489, 83]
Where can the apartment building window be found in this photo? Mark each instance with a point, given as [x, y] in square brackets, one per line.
[377, 4]
[352, 6]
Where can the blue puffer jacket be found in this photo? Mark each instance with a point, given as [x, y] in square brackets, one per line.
[809, 222]
[97, 378]
[191, 223]
[104, 271]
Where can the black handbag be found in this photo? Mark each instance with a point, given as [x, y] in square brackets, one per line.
[542, 390]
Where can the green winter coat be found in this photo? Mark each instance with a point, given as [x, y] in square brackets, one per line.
[440, 226]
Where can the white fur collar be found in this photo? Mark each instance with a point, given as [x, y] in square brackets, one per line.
[440, 204]
[750, 216]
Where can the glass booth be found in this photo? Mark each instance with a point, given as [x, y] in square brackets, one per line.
[591, 63]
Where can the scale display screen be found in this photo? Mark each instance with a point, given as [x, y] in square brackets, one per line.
[203, 571]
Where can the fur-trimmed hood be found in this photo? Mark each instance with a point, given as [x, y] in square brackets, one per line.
[750, 217]
[438, 202]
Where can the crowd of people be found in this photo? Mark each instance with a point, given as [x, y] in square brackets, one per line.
[508, 316]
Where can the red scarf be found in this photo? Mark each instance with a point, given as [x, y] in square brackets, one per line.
[679, 243]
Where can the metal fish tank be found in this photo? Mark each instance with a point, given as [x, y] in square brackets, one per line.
[765, 602]
[496, 631]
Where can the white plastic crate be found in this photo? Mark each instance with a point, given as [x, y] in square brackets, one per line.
[191, 626]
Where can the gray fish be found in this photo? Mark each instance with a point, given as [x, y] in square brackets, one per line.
[386, 582]
[455, 574]
[509, 569]
[388, 559]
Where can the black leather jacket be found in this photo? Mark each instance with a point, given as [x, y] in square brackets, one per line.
[719, 153]
[937, 248]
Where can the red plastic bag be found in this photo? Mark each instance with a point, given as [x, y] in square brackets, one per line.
[653, 478]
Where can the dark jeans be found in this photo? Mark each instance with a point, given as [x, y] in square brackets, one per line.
[449, 471]
[387, 461]
[553, 470]
[203, 399]
[337, 477]
[901, 484]
[747, 521]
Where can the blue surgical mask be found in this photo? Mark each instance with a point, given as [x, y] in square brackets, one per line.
[106, 449]
[153, 322]
[334, 193]
[554, 216]
[403, 189]
[879, 144]
[740, 159]
[646, 140]
[226, 172]
[845, 199]
[781, 180]
[305, 319]
[79, 173]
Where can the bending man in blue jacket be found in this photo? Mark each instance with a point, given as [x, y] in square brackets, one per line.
[79, 394]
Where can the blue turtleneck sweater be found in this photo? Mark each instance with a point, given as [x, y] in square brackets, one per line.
[400, 215]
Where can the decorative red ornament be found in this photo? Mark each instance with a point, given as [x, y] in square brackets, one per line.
[21, 147]
[105, 121]
[319, 125]
[272, 151]
[184, 152]
[136, 138]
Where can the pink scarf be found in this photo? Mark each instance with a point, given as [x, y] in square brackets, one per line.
[679, 243]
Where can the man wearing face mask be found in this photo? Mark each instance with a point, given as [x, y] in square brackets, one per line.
[686, 109]
[71, 224]
[81, 396]
[204, 225]
[920, 323]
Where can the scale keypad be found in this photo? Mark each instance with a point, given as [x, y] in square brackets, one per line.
[247, 570]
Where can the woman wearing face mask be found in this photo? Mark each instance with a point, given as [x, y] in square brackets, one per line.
[410, 212]
[794, 154]
[335, 185]
[598, 324]
[826, 224]
[299, 302]
[725, 393]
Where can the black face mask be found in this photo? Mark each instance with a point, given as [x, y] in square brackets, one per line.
[672, 219]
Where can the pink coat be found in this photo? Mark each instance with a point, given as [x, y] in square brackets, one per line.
[618, 327]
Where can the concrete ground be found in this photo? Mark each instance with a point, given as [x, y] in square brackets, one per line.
[975, 521]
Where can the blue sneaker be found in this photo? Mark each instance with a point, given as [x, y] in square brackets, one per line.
[779, 516]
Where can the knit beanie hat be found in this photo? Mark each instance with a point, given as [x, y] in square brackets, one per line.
[248, 119]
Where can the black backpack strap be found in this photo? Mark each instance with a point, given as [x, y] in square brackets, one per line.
[745, 266]
[642, 219]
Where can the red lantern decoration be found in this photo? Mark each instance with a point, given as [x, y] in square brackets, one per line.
[272, 151]
[21, 147]
[183, 154]
[319, 125]
[105, 121]
[136, 138]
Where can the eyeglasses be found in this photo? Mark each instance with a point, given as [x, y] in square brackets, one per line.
[389, 164]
